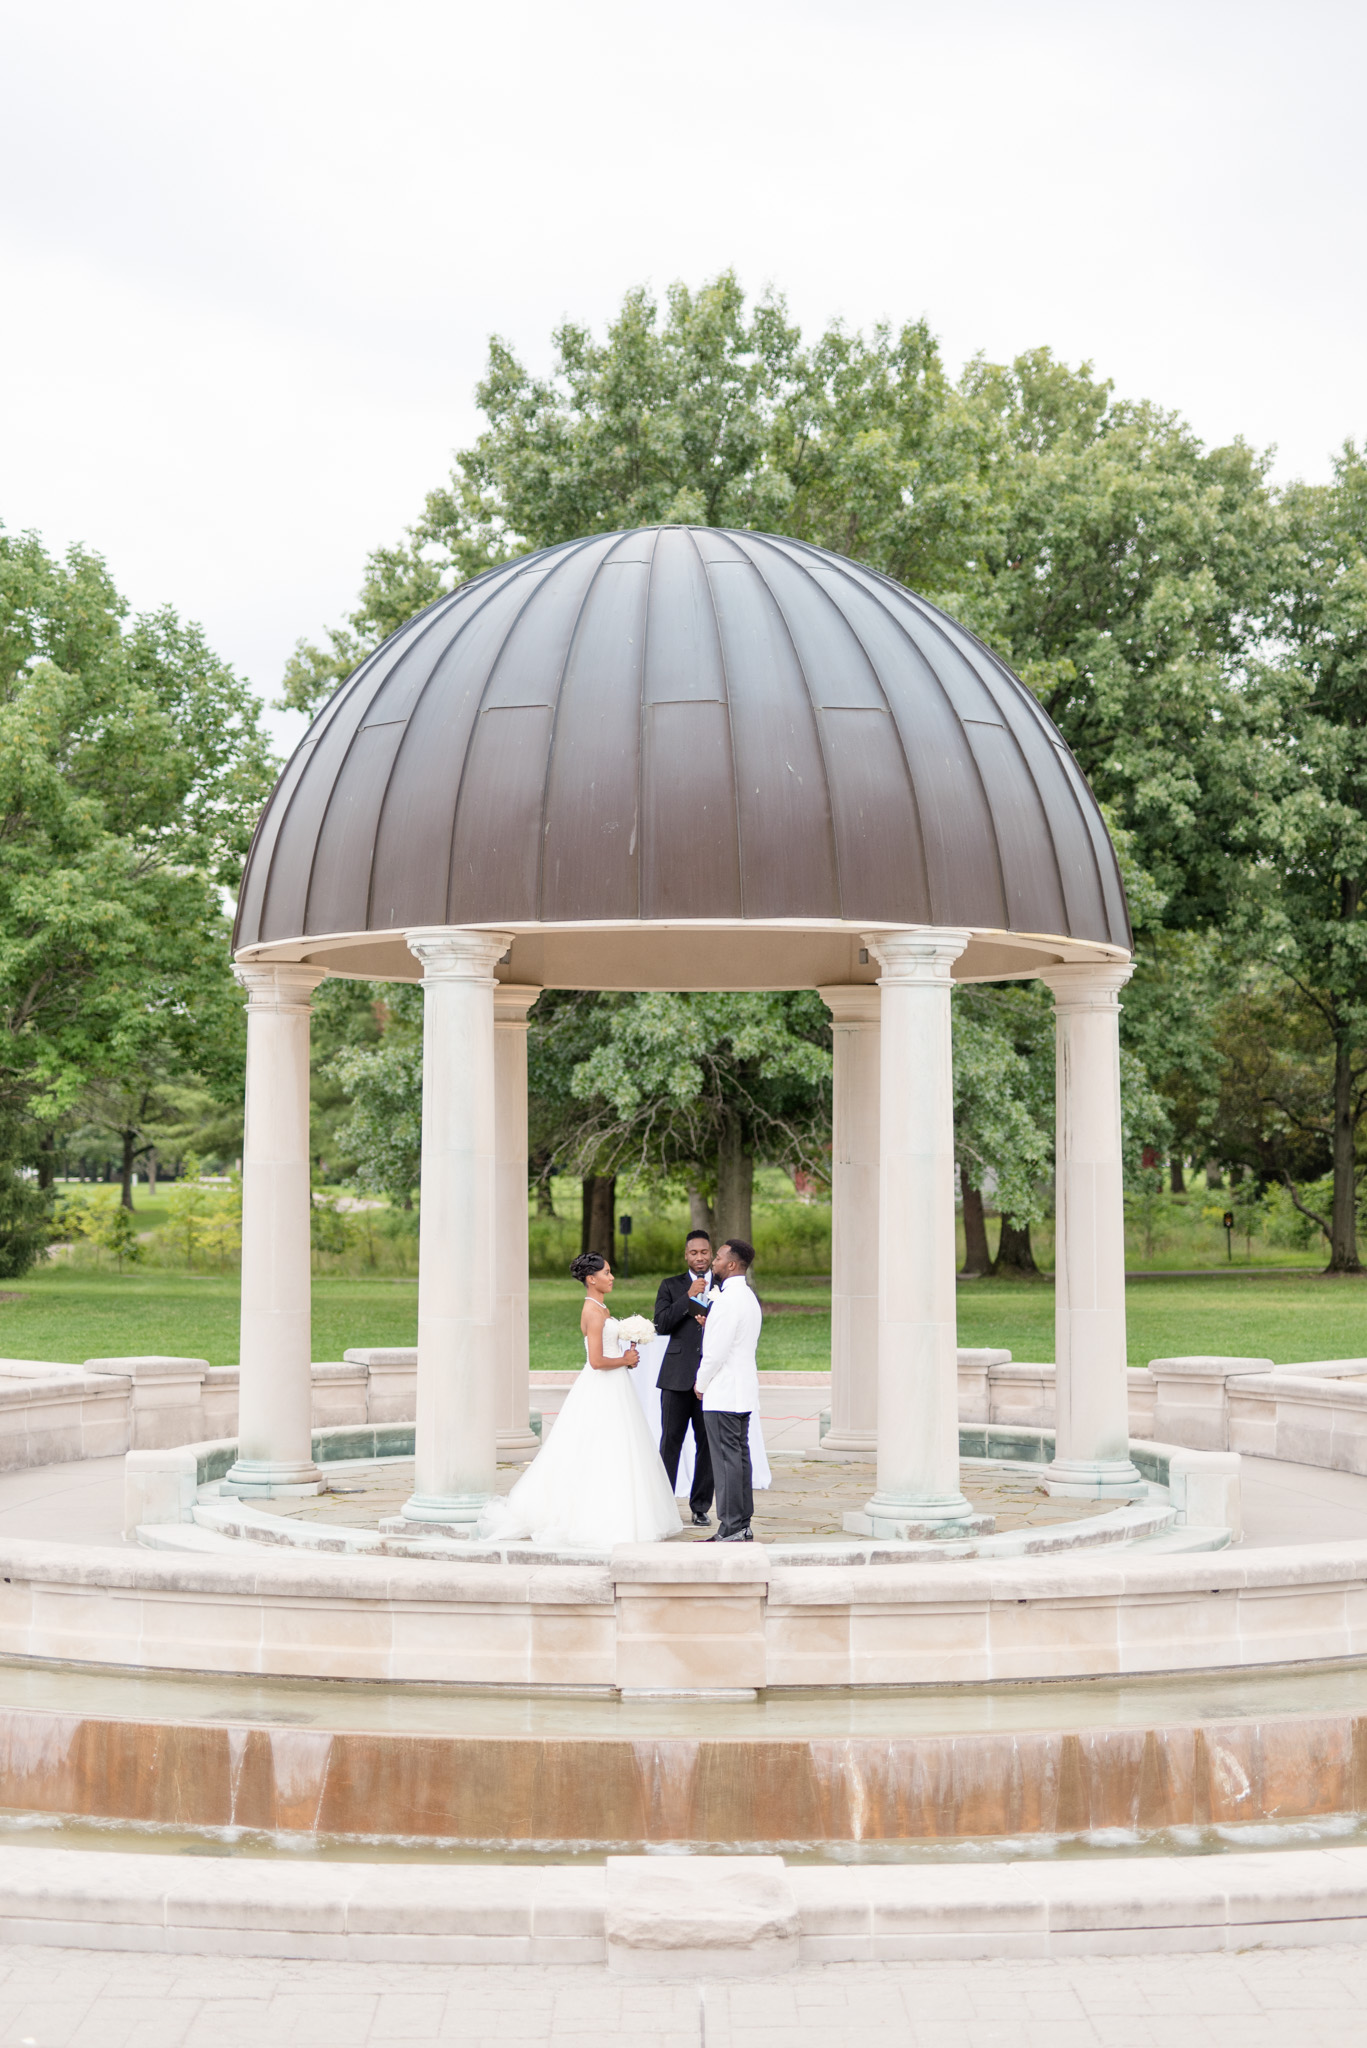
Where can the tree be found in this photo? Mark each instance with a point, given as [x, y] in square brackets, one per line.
[1131, 575]
[383, 1081]
[384, 1084]
[139, 1111]
[659, 422]
[132, 767]
[347, 1016]
[696, 1086]
[1313, 899]
[1275, 1086]
[1003, 1109]
[1131, 580]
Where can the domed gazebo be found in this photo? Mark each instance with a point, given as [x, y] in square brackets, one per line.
[686, 758]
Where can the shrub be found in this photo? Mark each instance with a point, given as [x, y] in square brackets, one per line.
[114, 1229]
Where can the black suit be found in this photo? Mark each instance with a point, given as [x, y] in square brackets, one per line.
[675, 1317]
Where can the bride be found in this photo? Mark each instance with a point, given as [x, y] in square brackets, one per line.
[598, 1479]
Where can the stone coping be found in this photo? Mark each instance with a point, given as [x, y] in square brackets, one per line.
[679, 1918]
[1304, 1390]
[1082, 1576]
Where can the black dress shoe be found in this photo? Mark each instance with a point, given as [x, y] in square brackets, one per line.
[701, 1522]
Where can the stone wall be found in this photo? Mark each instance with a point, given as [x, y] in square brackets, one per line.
[655, 1617]
[51, 1414]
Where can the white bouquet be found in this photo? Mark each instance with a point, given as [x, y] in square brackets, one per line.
[636, 1330]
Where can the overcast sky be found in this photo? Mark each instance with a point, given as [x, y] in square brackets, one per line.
[253, 252]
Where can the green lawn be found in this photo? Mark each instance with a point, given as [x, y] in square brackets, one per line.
[74, 1312]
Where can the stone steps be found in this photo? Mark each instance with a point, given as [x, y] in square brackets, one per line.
[679, 1918]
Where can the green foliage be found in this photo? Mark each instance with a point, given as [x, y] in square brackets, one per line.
[1145, 1202]
[1309, 899]
[1003, 1094]
[132, 767]
[1199, 638]
[791, 1234]
[363, 1237]
[347, 1015]
[25, 1220]
[672, 1071]
[383, 1084]
[112, 1228]
[204, 1223]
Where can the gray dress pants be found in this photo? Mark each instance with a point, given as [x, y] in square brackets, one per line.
[728, 1434]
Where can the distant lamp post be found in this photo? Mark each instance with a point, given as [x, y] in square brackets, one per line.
[1227, 1224]
[624, 1225]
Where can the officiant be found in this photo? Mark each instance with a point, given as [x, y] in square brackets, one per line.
[680, 1313]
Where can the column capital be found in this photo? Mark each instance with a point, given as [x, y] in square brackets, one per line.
[1087, 984]
[277, 984]
[512, 1000]
[449, 953]
[921, 953]
[853, 1002]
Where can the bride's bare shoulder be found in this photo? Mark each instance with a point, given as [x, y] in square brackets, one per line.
[590, 1306]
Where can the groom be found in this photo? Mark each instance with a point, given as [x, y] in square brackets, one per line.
[680, 1313]
[728, 1387]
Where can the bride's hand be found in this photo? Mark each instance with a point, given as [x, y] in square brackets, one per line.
[631, 1356]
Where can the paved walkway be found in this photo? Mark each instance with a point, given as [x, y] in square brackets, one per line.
[1274, 1998]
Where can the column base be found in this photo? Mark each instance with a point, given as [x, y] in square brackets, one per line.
[459, 1512]
[840, 1445]
[1094, 1479]
[514, 1444]
[941, 1515]
[265, 1478]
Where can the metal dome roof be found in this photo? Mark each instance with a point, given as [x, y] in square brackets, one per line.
[682, 723]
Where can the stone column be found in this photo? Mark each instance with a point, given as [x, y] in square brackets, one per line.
[275, 1412]
[458, 1387]
[854, 1223]
[1092, 1442]
[516, 1438]
[918, 1393]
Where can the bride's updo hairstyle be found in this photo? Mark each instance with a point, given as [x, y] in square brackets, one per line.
[586, 1263]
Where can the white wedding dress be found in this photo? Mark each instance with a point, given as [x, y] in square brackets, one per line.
[597, 1480]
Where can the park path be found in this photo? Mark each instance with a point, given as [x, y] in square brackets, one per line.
[1268, 1998]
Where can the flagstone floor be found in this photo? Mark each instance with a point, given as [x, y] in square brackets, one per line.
[809, 1497]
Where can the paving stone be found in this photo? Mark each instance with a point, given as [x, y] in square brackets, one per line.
[809, 1497]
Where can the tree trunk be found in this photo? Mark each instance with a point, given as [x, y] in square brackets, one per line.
[1015, 1253]
[1343, 1244]
[735, 1184]
[977, 1257]
[1175, 1180]
[1214, 1177]
[126, 1169]
[599, 1220]
[540, 1168]
[700, 1215]
[151, 1170]
[47, 1161]
[603, 1221]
